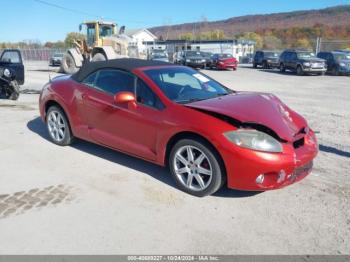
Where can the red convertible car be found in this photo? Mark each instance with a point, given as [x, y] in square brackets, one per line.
[207, 134]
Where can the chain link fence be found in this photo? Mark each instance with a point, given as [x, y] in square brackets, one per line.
[43, 54]
[332, 45]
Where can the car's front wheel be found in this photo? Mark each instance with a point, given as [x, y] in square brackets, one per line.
[196, 167]
[58, 126]
[300, 71]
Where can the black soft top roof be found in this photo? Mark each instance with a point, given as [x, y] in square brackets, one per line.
[126, 64]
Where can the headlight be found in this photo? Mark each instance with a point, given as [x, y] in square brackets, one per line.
[255, 140]
[203, 60]
[342, 64]
[188, 60]
[7, 72]
[306, 64]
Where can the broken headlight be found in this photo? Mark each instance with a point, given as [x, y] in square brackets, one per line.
[7, 73]
[255, 140]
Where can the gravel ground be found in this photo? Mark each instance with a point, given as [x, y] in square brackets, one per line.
[86, 199]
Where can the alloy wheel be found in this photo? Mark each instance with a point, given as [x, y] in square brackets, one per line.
[56, 125]
[193, 168]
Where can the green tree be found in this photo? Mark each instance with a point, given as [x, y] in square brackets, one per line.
[272, 42]
[253, 37]
[187, 36]
[303, 43]
[69, 41]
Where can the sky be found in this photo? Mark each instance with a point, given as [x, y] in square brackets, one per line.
[35, 20]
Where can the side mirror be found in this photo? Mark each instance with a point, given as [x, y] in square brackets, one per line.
[124, 97]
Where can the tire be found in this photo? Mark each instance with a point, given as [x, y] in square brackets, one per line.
[68, 64]
[335, 71]
[99, 57]
[264, 65]
[282, 68]
[201, 178]
[300, 71]
[15, 92]
[63, 138]
[255, 65]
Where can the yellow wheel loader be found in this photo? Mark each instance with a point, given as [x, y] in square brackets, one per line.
[102, 43]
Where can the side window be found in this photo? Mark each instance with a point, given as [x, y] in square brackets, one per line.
[11, 57]
[114, 81]
[293, 56]
[145, 96]
[330, 57]
[90, 80]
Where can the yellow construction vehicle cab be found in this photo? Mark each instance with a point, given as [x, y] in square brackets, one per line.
[96, 30]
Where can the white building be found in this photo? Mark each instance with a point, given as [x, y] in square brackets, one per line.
[139, 37]
[237, 48]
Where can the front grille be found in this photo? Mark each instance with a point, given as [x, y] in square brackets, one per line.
[303, 169]
[298, 143]
[300, 171]
[317, 65]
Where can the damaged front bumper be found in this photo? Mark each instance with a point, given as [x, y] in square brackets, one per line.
[259, 171]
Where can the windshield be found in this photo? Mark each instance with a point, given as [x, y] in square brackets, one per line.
[185, 85]
[159, 55]
[306, 55]
[207, 55]
[272, 54]
[58, 55]
[194, 53]
[225, 56]
[342, 56]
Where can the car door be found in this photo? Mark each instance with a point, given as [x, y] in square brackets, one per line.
[131, 129]
[13, 60]
[290, 57]
[331, 62]
[260, 58]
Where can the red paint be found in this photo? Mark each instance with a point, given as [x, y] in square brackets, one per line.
[122, 124]
[227, 63]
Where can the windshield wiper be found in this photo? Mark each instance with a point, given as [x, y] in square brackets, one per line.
[190, 100]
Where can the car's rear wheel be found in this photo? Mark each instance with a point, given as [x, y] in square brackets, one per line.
[58, 126]
[282, 68]
[196, 167]
[300, 71]
[255, 65]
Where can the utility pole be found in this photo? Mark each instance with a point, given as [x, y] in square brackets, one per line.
[318, 44]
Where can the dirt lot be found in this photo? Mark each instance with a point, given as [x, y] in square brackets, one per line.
[86, 199]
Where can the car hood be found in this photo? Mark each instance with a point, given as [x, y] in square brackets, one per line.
[161, 59]
[312, 60]
[195, 58]
[346, 61]
[228, 60]
[256, 108]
